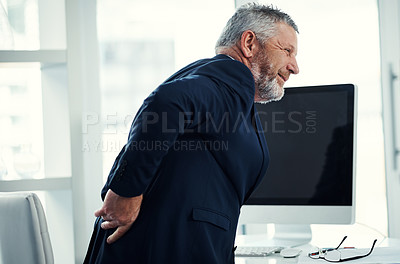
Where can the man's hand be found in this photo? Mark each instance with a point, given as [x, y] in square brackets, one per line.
[118, 212]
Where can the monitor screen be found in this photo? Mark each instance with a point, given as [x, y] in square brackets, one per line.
[310, 134]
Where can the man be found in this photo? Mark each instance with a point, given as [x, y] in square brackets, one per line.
[195, 151]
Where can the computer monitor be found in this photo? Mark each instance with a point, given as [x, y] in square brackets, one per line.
[311, 136]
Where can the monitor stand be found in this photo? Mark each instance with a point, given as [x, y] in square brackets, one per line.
[285, 235]
[292, 235]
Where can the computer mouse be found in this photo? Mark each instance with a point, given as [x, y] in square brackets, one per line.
[290, 252]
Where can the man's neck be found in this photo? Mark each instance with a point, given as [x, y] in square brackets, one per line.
[235, 54]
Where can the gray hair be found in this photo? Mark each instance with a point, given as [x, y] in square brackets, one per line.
[260, 19]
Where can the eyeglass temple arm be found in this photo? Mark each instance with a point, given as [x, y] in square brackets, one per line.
[341, 242]
[357, 257]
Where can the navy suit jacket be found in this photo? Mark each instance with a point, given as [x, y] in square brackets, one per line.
[195, 151]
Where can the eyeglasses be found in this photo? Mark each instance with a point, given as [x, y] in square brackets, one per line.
[335, 254]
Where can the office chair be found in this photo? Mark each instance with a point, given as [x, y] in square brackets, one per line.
[23, 230]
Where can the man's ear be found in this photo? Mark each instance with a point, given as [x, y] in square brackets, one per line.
[248, 43]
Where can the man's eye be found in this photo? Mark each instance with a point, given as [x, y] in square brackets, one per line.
[288, 51]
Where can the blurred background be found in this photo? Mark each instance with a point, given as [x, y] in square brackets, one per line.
[73, 74]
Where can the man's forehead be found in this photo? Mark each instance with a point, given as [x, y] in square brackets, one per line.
[287, 36]
[285, 30]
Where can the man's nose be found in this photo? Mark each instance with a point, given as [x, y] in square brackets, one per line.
[293, 67]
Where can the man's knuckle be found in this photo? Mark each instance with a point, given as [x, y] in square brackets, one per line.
[124, 221]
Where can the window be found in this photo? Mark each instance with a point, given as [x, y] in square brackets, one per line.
[34, 136]
[21, 148]
[390, 39]
[140, 47]
[19, 25]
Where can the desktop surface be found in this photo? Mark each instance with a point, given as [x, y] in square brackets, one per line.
[387, 250]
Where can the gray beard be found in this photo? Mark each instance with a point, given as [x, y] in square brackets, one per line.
[268, 89]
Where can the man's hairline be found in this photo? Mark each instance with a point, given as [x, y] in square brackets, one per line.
[219, 49]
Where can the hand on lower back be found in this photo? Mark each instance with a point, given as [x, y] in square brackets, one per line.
[118, 212]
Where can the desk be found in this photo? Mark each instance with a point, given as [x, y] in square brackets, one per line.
[387, 250]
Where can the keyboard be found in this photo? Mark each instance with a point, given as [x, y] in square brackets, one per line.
[257, 251]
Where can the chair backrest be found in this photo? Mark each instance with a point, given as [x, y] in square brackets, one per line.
[24, 237]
